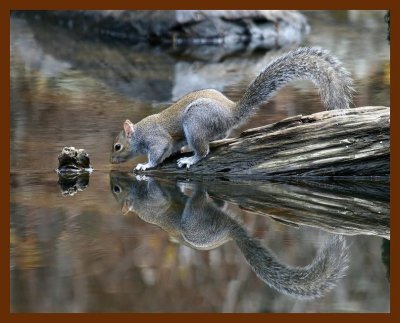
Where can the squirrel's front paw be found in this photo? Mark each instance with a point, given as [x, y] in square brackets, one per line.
[142, 178]
[142, 166]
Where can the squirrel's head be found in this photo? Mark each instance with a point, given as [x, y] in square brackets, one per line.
[122, 147]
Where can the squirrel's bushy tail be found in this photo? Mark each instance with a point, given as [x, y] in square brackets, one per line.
[309, 63]
[329, 265]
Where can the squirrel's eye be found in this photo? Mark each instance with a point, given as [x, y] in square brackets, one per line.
[117, 189]
[117, 147]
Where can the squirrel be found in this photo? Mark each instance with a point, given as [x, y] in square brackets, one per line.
[197, 221]
[206, 115]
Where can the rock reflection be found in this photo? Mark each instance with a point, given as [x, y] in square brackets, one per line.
[191, 217]
[73, 170]
[72, 183]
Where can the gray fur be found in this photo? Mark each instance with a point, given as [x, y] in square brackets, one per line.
[198, 222]
[311, 281]
[203, 116]
[313, 64]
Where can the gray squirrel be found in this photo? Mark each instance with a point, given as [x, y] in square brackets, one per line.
[195, 220]
[206, 115]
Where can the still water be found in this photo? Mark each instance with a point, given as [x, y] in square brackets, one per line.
[127, 244]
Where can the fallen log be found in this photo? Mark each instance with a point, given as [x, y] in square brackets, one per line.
[355, 142]
[342, 206]
[347, 207]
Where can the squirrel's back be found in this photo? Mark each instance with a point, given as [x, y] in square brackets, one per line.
[308, 63]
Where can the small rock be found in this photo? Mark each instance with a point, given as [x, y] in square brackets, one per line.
[72, 160]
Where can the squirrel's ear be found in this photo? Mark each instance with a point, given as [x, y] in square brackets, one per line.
[128, 128]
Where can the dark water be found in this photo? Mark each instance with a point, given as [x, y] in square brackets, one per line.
[168, 244]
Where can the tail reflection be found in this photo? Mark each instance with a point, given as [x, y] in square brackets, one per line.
[187, 213]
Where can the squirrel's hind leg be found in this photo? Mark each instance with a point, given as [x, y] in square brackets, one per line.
[200, 148]
[205, 120]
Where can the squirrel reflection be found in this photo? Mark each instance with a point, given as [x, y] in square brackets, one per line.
[197, 221]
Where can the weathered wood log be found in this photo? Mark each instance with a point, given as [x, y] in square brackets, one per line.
[355, 142]
[345, 207]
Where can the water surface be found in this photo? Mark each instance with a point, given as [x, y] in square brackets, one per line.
[93, 252]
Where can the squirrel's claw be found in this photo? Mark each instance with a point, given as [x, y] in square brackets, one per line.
[188, 161]
[142, 178]
[142, 166]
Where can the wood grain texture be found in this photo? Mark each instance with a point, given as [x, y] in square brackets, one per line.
[350, 207]
[354, 142]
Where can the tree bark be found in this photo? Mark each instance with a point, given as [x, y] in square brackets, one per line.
[340, 206]
[355, 142]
